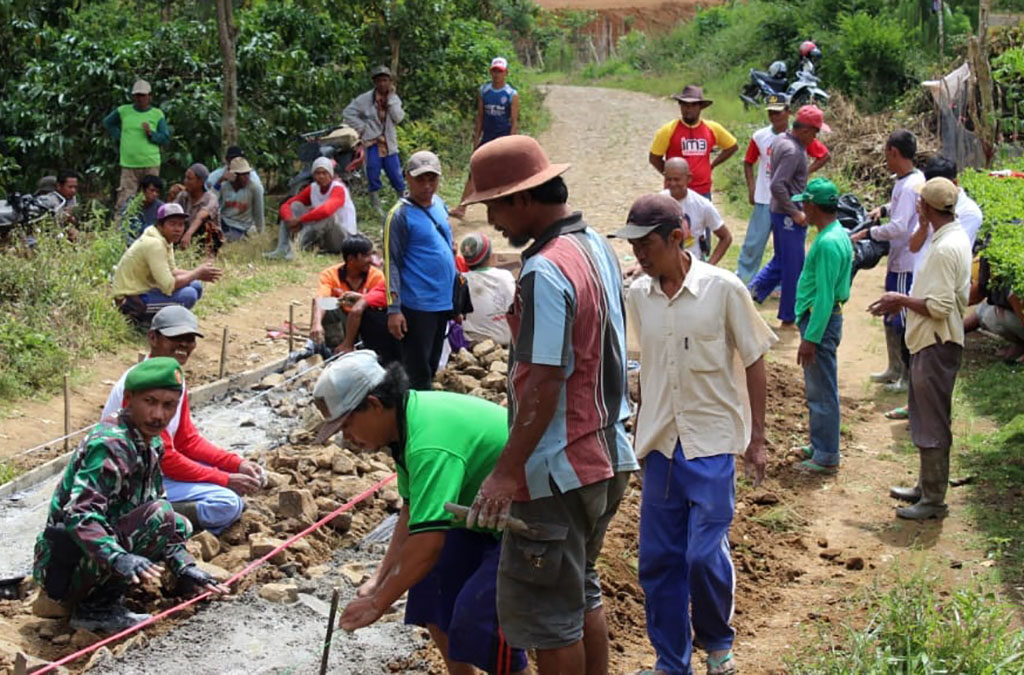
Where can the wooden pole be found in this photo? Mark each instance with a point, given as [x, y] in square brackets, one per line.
[67, 412]
[312, 314]
[291, 327]
[330, 630]
[223, 354]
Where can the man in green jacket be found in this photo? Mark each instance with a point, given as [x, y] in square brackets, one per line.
[141, 129]
[823, 287]
[110, 524]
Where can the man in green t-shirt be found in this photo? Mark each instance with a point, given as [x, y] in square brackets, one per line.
[823, 287]
[141, 129]
[444, 446]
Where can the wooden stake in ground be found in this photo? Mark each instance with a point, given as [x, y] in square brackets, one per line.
[291, 327]
[330, 630]
[223, 354]
[67, 412]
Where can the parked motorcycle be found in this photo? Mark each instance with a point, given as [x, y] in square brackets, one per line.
[764, 83]
[339, 143]
[22, 212]
[806, 88]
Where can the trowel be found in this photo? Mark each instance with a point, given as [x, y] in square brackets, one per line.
[514, 525]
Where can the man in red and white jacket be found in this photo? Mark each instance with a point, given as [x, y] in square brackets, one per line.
[204, 483]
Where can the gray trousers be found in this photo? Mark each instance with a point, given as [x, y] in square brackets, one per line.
[325, 234]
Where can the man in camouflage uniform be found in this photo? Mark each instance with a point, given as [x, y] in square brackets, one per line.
[110, 523]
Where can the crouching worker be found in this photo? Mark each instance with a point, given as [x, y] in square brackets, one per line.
[204, 482]
[110, 524]
[444, 445]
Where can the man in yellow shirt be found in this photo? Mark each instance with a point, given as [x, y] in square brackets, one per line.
[935, 338]
[146, 279]
[692, 138]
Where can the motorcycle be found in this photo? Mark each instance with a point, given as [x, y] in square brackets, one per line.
[806, 88]
[867, 252]
[24, 211]
[339, 143]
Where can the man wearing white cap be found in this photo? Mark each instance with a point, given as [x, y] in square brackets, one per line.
[419, 266]
[140, 130]
[322, 214]
[497, 114]
[444, 445]
[240, 199]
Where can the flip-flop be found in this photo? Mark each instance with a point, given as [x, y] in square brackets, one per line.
[810, 466]
[721, 666]
[900, 413]
[807, 451]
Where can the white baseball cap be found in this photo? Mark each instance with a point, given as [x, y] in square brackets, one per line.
[343, 386]
[499, 63]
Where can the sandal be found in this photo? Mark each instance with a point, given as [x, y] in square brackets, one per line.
[900, 413]
[810, 466]
[807, 451]
[725, 665]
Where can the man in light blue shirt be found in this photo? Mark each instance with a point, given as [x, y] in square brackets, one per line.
[241, 201]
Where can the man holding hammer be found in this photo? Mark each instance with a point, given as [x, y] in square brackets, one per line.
[444, 446]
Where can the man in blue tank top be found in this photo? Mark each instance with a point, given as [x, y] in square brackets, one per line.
[497, 115]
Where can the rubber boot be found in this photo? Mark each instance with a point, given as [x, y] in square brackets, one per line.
[190, 511]
[284, 245]
[375, 202]
[893, 346]
[934, 481]
[906, 494]
[104, 611]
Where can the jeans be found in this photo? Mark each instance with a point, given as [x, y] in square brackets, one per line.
[686, 509]
[392, 167]
[216, 506]
[758, 228]
[186, 296]
[784, 267]
[821, 384]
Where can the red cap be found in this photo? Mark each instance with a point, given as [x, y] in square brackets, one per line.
[811, 116]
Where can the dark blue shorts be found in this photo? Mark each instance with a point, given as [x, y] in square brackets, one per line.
[458, 596]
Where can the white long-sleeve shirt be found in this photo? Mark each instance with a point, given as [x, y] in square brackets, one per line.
[902, 209]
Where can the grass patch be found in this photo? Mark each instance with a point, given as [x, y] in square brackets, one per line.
[780, 518]
[916, 628]
[8, 472]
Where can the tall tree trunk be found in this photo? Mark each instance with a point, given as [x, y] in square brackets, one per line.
[395, 48]
[228, 35]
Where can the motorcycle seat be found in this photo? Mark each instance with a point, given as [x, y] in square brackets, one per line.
[776, 83]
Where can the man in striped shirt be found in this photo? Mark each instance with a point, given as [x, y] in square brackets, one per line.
[567, 460]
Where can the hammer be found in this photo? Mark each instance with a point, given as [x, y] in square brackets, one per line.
[514, 525]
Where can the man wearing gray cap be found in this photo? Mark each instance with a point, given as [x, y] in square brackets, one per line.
[375, 114]
[693, 321]
[444, 445]
[204, 483]
[419, 265]
[140, 130]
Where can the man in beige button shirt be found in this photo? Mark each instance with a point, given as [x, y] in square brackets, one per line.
[698, 330]
[935, 339]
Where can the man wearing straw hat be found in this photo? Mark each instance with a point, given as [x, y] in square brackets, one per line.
[567, 460]
[110, 524]
[240, 199]
[693, 139]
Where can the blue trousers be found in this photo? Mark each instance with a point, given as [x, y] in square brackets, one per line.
[685, 512]
[392, 167]
[758, 228]
[821, 386]
[186, 296]
[216, 506]
[785, 266]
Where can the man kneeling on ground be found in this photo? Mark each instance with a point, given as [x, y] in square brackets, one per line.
[146, 278]
[110, 524]
[362, 302]
[444, 445]
[203, 482]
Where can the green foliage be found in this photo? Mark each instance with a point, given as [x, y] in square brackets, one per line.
[1008, 71]
[8, 472]
[913, 628]
[876, 59]
[1000, 200]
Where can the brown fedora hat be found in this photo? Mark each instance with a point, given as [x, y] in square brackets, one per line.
[691, 93]
[508, 165]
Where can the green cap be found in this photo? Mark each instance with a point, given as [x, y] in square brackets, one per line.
[820, 192]
[160, 372]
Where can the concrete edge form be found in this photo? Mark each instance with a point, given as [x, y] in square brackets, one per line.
[199, 396]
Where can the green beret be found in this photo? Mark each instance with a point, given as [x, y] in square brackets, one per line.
[161, 372]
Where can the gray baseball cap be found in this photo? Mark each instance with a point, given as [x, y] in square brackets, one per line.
[422, 162]
[380, 70]
[343, 386]
[175, 320]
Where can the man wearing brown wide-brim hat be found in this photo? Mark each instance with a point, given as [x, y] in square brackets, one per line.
[692, 138]
[567, 460]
